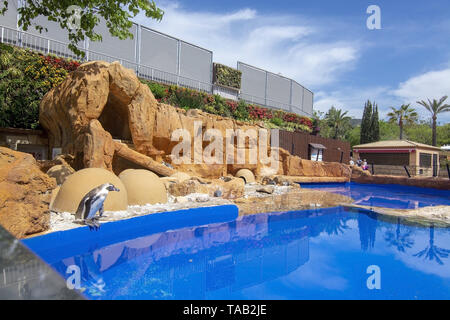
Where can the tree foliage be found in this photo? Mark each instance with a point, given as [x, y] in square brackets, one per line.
[338, 121]
[80, 17]
[403, 116]
[370, 130]
[435, 107]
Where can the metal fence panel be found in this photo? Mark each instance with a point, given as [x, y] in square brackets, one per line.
[195, 63]
[10, 17]
[159, 51]
[297, 96]
[308, 98]
[278, 89]
[54, 31]
[113, 46]
[253, 83]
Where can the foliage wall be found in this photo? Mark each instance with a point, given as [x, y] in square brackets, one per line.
[227, 76]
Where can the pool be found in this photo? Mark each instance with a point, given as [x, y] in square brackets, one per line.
[313, 254]
[386, 196]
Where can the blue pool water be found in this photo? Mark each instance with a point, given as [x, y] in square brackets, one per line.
[387, 196]
[312, 254]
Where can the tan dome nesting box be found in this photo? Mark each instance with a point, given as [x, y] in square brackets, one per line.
[77, 185]
[143, 187]
[131, 171]
[246, 174]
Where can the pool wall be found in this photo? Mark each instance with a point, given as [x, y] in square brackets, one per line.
[55, 246]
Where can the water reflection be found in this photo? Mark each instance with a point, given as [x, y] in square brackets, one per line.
[391, 196]
[433, 252]
[259, 255]
[367, 226]
[400, 240]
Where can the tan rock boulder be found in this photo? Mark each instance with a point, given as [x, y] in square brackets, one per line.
[81, 182]
[143, 187]
[230, 189]
[60, 172]
[24, 194]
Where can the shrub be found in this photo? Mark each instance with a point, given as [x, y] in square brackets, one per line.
[259, 113]
[25, 77]
[241, 111]
[277, 121]
[159, 91]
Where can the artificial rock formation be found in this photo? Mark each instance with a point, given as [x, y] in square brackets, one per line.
[60, 172]
[25, 194]
[101, 103]
[81, 182]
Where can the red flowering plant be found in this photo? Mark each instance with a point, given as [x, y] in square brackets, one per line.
[259, 113]
[68, 65]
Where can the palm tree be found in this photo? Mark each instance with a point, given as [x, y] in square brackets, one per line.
[403, 116]
[435, 107]
[337, 120]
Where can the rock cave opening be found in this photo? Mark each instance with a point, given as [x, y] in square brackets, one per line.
[114, 119]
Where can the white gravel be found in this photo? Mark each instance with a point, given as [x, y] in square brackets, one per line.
[65, 220]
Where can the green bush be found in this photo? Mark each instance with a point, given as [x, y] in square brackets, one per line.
[227, 76]
[277, 121]
[159, 91]
[241, 111]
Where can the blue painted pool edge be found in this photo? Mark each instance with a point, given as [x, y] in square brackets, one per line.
[55, 246]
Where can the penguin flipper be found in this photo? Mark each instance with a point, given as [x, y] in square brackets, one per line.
[84, 207]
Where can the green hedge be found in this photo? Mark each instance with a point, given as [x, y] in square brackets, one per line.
[227, 76]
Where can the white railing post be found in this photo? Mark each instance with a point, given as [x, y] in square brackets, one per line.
[3, 30]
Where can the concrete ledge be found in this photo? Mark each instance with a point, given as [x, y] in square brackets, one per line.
[435, 183]
[56, 246]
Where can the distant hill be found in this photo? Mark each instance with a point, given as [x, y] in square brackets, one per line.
[355, 122]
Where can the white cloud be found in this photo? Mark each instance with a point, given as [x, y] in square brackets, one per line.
[281, 44]
[433, 85]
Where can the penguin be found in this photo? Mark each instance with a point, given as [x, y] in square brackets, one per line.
[93, 203]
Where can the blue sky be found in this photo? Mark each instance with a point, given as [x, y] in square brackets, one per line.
[326, 46]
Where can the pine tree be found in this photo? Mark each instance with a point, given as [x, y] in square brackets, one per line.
[366, 123]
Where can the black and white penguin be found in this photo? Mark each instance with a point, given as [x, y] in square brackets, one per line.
[93, 203]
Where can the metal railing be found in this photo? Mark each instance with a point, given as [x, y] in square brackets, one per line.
[49, 46]
[409, 171]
